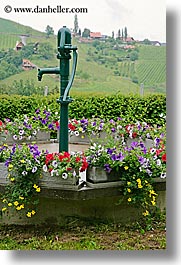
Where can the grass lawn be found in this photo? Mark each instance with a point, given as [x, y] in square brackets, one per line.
[84, 235]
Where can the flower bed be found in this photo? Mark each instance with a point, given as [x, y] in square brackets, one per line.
[133, 154]
[27, 166]
[27, 129]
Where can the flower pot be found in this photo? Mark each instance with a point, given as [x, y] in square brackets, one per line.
[82, 138]
[61, 183]
[99, 175]
[3, 174]
[41, 136]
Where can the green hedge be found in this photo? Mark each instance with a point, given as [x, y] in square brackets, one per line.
[132, 107]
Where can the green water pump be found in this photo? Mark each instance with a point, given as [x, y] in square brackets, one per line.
[64, 55]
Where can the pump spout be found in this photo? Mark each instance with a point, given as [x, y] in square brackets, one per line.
[43, 71]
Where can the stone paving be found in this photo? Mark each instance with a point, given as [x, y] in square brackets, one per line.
[54, 147]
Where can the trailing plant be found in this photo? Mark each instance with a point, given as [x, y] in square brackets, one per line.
[24, 165]
[136, 165]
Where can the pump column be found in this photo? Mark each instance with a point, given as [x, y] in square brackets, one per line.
[63, 135]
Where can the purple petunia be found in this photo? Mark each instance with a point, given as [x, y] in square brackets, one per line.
[107, 168]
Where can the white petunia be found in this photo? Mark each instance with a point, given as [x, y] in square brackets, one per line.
[158, 162]
[54, 164]
[76, 133]
[34, 169]
[24, 173]
[45, 169]
[21, 132]
[15, 137]
[64, 175]
[74, 174]
[163, 175]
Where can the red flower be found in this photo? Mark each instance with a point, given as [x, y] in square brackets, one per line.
[84, 165]
[164, 157]
[63, 156]
[158, 151]
[1, 123]
[134, 134]
[57, 124]
[71, 127]
[69, 168]
[49, 157]
[77, 159]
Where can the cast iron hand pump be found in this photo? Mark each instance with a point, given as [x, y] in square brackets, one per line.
[64, 50]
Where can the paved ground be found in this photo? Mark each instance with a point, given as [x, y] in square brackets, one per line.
[54, 147]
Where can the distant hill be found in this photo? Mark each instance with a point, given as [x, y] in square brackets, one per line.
[8, 26]
[99, 69]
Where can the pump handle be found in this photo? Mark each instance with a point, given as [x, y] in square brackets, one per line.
[75, 55]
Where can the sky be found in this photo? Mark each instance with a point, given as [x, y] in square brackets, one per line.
[143, 18]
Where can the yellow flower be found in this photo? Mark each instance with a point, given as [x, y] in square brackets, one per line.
[35, 186]
[22, 161]
[4, 200]
[138, 180]
[146, 181]
[140, 186]
[10, 167]
[21, 198]
[16, 203]
[153, 198]
[82, 136]
[38, 189]
[28, 214]
[80, 129]
[129, 200]
[126, 167]
[9, 204]
[20, 207]
[153, 203]
[33, 212]
[128, 190]
[12, 179]
[128, 183]
[152, 192]
[5, 145]
[4, 209]
[146, 213]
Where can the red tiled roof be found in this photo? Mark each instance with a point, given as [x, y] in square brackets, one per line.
[95, 35]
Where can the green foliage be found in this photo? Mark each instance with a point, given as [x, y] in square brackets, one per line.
[133, 56]
[49, 31]
[24, 167]
[132, 108]
[86, 33]
[46, 50]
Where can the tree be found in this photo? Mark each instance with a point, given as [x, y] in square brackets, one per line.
[119, 34]
[125, 33]
[147, 41]
[86, 33]
[27, 51]
[79, 32]
[112, 34]
[49, 31]
[133, 56]
[46, 50]
[76, 26]
[122, 35]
